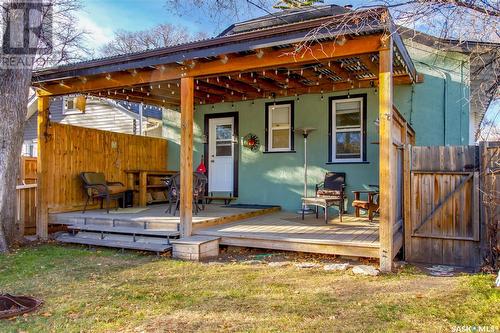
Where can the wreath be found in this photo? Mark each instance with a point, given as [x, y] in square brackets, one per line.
[251, 141]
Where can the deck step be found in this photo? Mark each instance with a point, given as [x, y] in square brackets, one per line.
[120, 244]
[125, 230]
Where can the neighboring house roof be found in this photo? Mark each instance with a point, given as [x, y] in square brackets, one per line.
[284, 17]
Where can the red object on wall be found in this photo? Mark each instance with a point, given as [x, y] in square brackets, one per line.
[201, 168]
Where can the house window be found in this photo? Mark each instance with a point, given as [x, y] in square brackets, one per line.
[70, 104]
[348, 129]
[279, 127]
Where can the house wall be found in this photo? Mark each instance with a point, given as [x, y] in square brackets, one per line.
[277, 178]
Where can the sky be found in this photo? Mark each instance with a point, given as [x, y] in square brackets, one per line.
[102, 17]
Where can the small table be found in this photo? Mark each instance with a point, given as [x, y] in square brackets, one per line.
[370, 205]
[325, 203]
[143, 181]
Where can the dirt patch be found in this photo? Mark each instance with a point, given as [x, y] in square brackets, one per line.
[233, 254]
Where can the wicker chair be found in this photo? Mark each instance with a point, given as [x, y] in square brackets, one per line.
[96, 187]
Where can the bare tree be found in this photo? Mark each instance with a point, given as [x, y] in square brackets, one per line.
[159, 36]
[222, 12]
[15, 81]
[288, 4]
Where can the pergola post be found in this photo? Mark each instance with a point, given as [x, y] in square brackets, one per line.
[387, 177]
[186, 156]
[42, 213]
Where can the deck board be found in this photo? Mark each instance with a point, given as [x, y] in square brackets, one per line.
[155, 217]
[286, 231]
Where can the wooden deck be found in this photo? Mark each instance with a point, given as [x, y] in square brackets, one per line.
[154, 216]
[286, 231]
[258, 227]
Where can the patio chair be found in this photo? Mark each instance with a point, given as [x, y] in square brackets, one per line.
[333, 188]
[96, 187]
[199, 182]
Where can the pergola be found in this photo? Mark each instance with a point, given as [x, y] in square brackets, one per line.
[268, 63]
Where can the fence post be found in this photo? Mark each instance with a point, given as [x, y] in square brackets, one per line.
[407, 229]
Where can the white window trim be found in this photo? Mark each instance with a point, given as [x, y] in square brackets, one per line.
[334, 131]
[66, 111]
[270, 127]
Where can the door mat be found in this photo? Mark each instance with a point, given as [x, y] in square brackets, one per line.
[249, 206]
[130, 210]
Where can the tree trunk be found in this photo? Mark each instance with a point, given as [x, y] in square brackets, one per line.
[14, 90]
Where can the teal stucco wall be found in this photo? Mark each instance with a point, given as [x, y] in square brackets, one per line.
[436, 108]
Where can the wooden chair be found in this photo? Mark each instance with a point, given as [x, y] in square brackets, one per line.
[96, 187]
[371, 205]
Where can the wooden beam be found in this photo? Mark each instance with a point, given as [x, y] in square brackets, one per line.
[114, 80]
[270, 59]
[366, 60]
[42, 210]
[231, 84]
[387, 176]
[186, 156]
[283, 79]
[276, 58]
[207, 88]
[257, 82]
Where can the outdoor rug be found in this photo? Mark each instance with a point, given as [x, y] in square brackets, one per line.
[130, 210]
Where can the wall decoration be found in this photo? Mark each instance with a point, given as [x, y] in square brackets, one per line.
[251, 141]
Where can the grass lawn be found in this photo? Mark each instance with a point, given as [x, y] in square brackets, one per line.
[106, 291]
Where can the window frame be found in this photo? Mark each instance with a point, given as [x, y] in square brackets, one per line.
[74, 110]
[268, 135]
[332, 130]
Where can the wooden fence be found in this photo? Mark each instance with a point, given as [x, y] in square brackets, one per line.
[26, 208]
[70, 150]
[27, 172]
[26, 195]
[444, 225]
[402, 136]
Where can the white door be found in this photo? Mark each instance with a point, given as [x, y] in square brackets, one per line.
[221, 154]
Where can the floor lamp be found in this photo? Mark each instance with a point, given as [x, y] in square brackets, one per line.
[305, 133]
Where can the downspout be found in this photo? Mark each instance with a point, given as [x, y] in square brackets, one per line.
[445, 103]
[462, 99]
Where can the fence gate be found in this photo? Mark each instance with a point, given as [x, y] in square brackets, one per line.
[443, 226]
